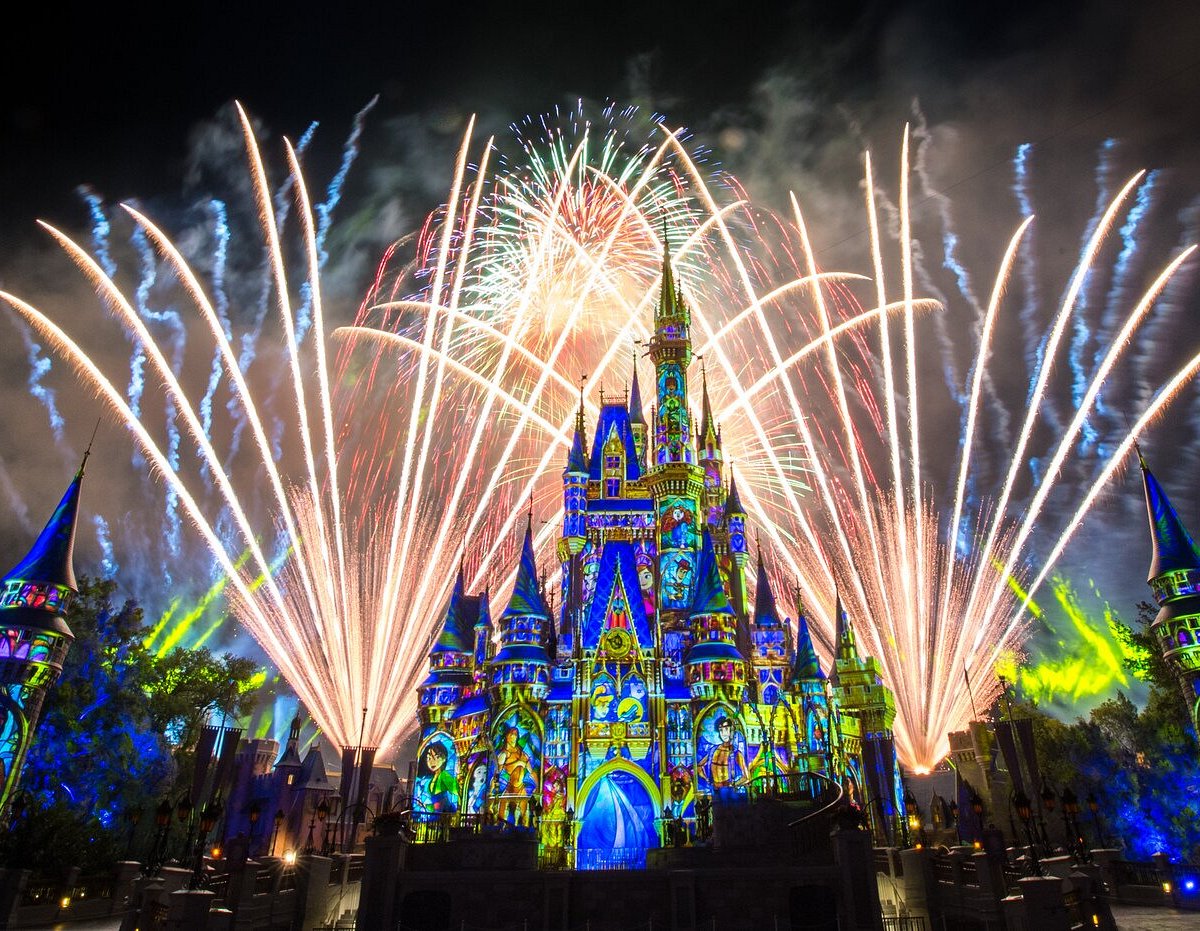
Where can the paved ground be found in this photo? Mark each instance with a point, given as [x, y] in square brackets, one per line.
[1131, 918]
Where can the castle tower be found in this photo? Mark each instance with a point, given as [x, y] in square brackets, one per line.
[674, 480]
[520, 683]
[768, 640]
[716, 670]
[734, 530]
[808, 680]
[1174, 578]
[637, 417]
[34, 636]
[710, 455]
[450, 662]
[574, 534]
[859, 691]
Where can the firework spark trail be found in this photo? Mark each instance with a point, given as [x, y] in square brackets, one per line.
[1042, 374]
[39, 368]
[170, 318]
[1028, 315]
[325, 209]
[1116, 347]
[1082, 333]
[220, 221]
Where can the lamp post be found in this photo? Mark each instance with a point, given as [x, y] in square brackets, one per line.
[184, 809]
[209, 816]
[1048, 799]
[1094, 807]
[132, 816]
[254, 814]
[275, 833]
[1070, 803]
[309, 847]
[977, 808]
[1025, 813]
[158, 853]
[957, 823]
[912, 822]
[322, 817]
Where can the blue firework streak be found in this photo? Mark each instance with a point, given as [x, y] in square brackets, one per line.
[108, 560]
[101, 230]
[249, 339]
[39, 368]
[324, 211]
[1118, 289]
[1028, 271]
[1081, 332]
[220, 220]
[169, 317]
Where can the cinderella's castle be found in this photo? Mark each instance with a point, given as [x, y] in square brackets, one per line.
[658, 691]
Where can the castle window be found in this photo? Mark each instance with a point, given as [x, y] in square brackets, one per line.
[612, 488]
[1185, 638]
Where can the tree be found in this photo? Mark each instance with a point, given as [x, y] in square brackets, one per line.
[117, 732]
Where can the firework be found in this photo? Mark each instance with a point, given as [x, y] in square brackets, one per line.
[451, 402]
[556, 270]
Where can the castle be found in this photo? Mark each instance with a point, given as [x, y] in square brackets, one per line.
[657, 690]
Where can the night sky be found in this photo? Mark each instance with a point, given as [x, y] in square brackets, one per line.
[130, 101]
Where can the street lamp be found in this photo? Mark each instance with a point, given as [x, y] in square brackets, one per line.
[322, 817]
[209, 816]
[954, 817]
[1094, 807]
[1048, 799]
[133, 815]
[1025, 813]
[1070, 810]
[275, 834]
[977, 807]
[254, 813]
[162, 820]
[912, 823]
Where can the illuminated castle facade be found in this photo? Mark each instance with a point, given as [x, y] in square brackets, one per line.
[658, 691]
[34, 636]
[1174, 578]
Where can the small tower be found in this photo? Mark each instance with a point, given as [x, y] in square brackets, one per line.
[710, 455]
[1174, 578]
[483, 638]
[715, 667]
[809, 682]
[519, 670]
[734, 526]
[671, 350]
[637, 417]
[34, 636]
[860, 692]
[450, 661]
[768, 650]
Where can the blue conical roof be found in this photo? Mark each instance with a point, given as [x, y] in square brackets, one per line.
[709, 597]
[636, 414]
[457, 633]
[1173, 547]
[807, 664]
[526, 598]
[766, 614]
[50, 560]
[733, 502]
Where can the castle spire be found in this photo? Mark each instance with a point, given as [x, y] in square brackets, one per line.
[51, 560]
[847, 647]
[1173, 547]
[807, 665]
[636, 414]
[766, 613]
[709, 597]
[707, 425]
[526, 600]
[576, 458]
[456, 633]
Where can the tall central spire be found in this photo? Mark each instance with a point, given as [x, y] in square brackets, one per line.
[671, 350]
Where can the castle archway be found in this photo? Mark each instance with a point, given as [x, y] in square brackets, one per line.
[619, 807]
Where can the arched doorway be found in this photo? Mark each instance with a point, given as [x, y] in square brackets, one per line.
[618, 819]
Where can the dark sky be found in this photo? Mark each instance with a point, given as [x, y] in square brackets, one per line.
[106, 94]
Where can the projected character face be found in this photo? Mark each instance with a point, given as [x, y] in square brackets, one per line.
[435, 758]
